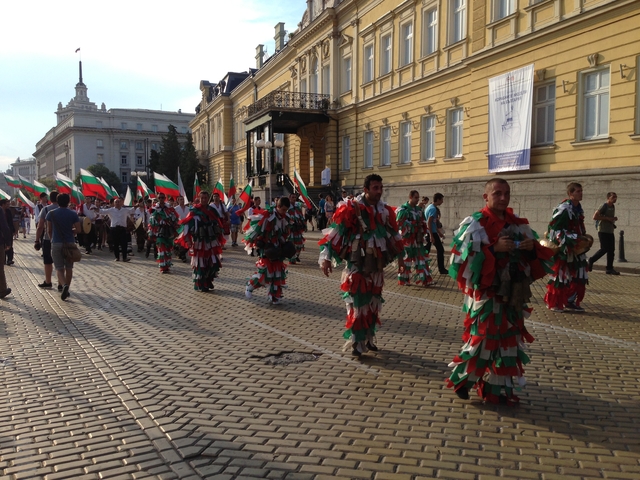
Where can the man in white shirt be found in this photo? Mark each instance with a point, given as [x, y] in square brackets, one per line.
[181, 209]
[85, 210]
[141, 232]
[118, 216]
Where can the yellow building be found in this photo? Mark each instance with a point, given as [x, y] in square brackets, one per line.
[401, 89]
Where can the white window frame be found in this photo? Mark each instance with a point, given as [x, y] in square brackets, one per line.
[406, 43]
[386, 54]
[154, 128]
[502, 9]
[124, 145]
[544, 111]
[124, 160]
[429, 31]
[455, 132]
[457, 20]
[368, 149]
[139, 145]
[385, 146]
[346, 153]
[139, 127]
[313, 75]
[368, 63]
[404, 147]
[99, 143]
[345, 80]
[600, 95]
[139, 160]
[428, 138]
[124, 177]
[123, 125]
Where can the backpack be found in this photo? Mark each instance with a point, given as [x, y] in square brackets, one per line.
[601, 211]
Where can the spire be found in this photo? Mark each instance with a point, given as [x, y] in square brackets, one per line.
[80, 71]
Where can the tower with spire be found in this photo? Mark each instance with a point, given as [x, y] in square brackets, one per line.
[79, 102]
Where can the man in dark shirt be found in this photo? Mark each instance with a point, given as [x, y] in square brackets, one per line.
[5, 244]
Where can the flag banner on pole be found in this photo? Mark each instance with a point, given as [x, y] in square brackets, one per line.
[107, 188]
[40, 188]
[128, 198]
[65, 184]
[183, 192]
[13, 182]
[4, 195]
[196, 186]
[142, 189]
[26, 200]
[76, 195]
[27, 185]
[91, 186]
[510, 104]
[302, 189]
[219, 189]
[245, 198]
[232, 187]
[166, 186]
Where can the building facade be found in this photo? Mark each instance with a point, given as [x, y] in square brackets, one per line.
[120, 139]
[25, 168]
[401, 89]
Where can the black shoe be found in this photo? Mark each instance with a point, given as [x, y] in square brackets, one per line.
[444, 272]
[146, 255]
[5, 293]
[65, 292]
[117, 259]
[45, 285]
[574, 307]
[355, 352]
[372, 347]
[609, 272]
[463, 393]
[59, 287]
[126, 259]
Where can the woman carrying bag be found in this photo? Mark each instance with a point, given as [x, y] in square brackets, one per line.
[62, 225]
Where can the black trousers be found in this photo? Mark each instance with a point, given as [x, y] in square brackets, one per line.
[437, 242]
[608, 247]
[119, 238]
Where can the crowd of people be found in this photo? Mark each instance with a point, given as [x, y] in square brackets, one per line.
[495, 257]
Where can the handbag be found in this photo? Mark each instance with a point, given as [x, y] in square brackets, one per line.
[70, 251]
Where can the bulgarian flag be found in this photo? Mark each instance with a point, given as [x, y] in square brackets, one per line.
[27, 185]
[143, 190]
[232, 187]
[91, 186]
[76, 195]
[4, 195]
[245, 198]
[219, 189]
[166, 186]
[26, 200]
[181, 188]
[111, 192]
[196, 186]
[40, 188]
[302, 189]
[65, 184]
[128, 198]
[13, 182]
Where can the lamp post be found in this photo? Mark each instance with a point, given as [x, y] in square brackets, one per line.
[266, 145]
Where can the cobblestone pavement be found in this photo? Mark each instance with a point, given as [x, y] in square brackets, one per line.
[138, 376]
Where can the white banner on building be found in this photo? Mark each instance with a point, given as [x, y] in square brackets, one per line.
[510, 104]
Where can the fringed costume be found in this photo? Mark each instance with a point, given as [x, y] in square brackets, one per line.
[567, 283]
[297, 227]
[367, 237]
[413, 227]
[162, 229]
[201, 233]
[497, 289]
[268, 235]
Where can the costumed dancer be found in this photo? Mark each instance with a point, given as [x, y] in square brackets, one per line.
[202, 234]
[364, 232]
[298, 226]
[495, 257]
[268, 235]
[413, 227]
[162, 229]
[567, 283]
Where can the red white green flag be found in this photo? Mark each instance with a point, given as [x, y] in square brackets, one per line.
[245, 198]
[302, 189]
[196, 187]
[40, 188]
[142, 189]
[128, 198]
[183, 192]
[166, 186]
[26, 200]
[65, 184]
[111, 192]
[27, 185]
[232, 187]
[91, 186]
[76, 195]
[13, 182]
[219, 189]
[4, 195]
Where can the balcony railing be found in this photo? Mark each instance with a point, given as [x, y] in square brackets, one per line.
[280, 100]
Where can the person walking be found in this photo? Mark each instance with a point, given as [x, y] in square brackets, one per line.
[436, 234]
[119, 236]
[412, 225]
[7, 212]
[235, 220]
[162, 228]
[494, 259]
[62, 226]
[43, 241]
[606, 219]
[364, 232]
[5, 243]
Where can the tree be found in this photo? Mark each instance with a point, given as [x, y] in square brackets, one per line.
[99, 170]
[154, 161]
[170, 154]
[188, 163]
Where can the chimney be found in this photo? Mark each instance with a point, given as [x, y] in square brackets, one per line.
[259, 56]
[279, 38]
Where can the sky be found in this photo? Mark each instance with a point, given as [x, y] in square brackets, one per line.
[135, 54]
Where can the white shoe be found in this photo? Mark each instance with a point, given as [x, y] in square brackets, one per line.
[247, 291]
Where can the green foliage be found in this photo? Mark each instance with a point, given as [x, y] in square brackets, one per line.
[188, 164]
[170, 154]
[154, 161]
[99, 170]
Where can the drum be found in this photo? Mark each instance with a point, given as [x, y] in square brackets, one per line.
[138, 223]
[86, 225]
[550, 245]
[584, 244]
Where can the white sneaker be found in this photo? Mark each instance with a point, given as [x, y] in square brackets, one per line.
[247, 291]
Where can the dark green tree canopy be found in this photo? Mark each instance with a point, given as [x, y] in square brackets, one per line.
[170, 154]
